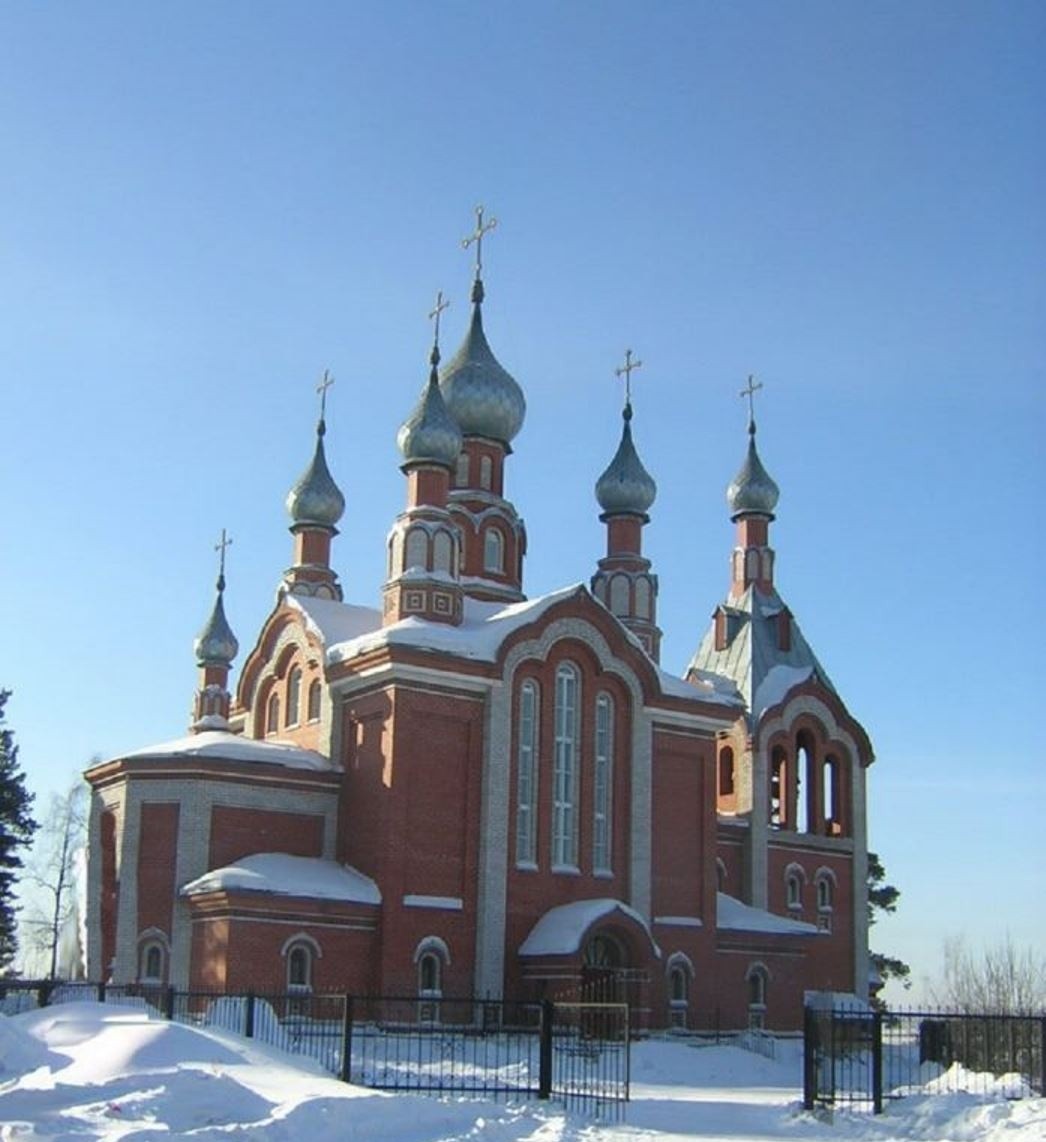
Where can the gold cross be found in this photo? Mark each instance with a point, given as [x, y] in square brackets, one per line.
[477, 237]
[441, 305]
[220, 546]
[749, 391]
[321, 388]
[626, 371]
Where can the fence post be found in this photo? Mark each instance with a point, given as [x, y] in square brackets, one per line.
[101, 991]
[43, 993]
[809, 1058]
[1042, 1057]
[345, 1071]
[248, 1028]
[168, 1003]
[877, 1062]
[545, 1050]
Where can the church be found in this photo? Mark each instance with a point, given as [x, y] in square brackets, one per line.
[465, 791]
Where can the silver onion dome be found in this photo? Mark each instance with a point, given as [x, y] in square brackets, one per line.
[480, 395]
[216, 645]
[626, 487]
[752, 490]
[430, 433]
[316, 499]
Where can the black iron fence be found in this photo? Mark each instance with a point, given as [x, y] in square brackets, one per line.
[862, 1058]
[574, 1053]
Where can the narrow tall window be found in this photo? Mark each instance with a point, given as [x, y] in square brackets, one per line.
[804, 783]
[493, 550]
[293, 695]
[603, 779]
[299, 968]
[417, 549]
[315, 698]
[486, 473]
[778, 789]
[272, 724]
[526, 776]
[830, 801]
[564, 770]
[461, 474]
[726, 772]
[442, 549]
[619, 595]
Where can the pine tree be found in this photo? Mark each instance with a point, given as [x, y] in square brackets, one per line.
[16, 831]
[882, 898]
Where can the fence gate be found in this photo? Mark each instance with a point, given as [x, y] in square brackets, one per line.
[586, 1059]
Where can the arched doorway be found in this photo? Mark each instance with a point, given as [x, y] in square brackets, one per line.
[604, 970]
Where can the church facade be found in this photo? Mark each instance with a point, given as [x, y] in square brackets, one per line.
[464, 791]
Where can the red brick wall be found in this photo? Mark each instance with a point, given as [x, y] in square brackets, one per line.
[110, 896]
[238, 833]
[157, 849]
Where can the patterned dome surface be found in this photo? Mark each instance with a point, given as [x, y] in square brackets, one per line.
[216, 645]
[430, 433]
[481, 396]
[316, 499]
[626, 486]
[752, 489]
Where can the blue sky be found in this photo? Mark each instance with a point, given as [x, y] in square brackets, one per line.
[204, 206]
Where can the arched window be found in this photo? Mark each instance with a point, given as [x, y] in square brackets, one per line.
[758, 978]
[493, 550]
[299, 968]
[794, 889]
[564, 769]
[603, 784]
[619, 595]
[315, 700]
[778, 789]
[804, 781]
[526, 775]
[293, 695]
[272, 723]
[430, 957]
[150, 962]
[430, 973]
[824, 883]
[442, 549]
[642, 589]
[830, 799]
[417, 549]
[680, 973]
[461, 473]
[726, 772]
[486, 473]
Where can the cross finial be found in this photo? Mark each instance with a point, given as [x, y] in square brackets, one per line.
[220, 546]
[626, 371]
[434, 315]
[749, 391]
[477, 237]
[325, 383]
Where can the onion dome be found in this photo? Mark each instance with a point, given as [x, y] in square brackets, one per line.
[430, 434]
[626, 487]
[752, 491]
[316, 500]
[480, 395]
[216, 645]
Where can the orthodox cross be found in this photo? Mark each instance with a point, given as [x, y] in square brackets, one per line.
[220, 546]
[749, 391]
[441, 305]
[321, 388]
[626, 371]
[477, 237]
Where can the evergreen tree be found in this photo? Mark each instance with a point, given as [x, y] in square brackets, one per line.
[882, 898]
[16, 831]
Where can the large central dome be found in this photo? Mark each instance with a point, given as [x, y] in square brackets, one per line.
[482, 396]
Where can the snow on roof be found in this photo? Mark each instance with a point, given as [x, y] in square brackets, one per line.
[778, 681]
[735, 916]
[285, 875]
[332, 621]
[221, 746]
[560, 931]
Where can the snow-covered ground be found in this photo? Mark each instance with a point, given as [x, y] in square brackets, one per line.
[82, 1071]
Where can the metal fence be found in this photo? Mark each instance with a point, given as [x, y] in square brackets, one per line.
[575, 1053]
[862, 1058]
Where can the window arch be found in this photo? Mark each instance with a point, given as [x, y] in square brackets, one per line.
[527, 775]
[619, 595]
[299, 968]
[493, 550]
[152, 957]
[794, 880]
[642, 589]
[416, 550]
[431, 957]
[680, 972]
[603, 785]
[804, 782]
[564, 769]
[315, 700]
[824, 886]
[272, 718]
[726, 772]
[831, 798]
[442, 551]
[778, 789]
[293, 695]
[758, 979]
